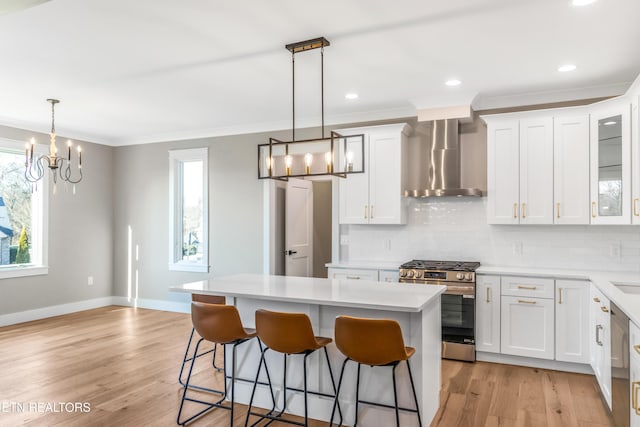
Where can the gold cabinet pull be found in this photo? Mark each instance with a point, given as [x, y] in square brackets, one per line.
[531, 288]
[596, 299]
[489, 295]
[515, 210]
[371, 211]
[636, 212]
[558, 210]
[604, 309]
[634, 396]
[524, 210]
[365, 211]
[560, 296]
[353, 277]
[521, 301]
[593, 209]
[637, 348]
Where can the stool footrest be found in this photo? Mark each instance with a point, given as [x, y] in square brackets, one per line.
[366, 402]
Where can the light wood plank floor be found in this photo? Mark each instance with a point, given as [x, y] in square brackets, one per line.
[124, 362]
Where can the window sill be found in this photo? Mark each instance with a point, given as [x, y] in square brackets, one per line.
[189, 267]
[11, 272]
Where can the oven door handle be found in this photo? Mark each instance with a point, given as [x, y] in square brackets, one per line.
[466, 291]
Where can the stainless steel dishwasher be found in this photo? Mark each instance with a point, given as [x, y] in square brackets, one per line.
[619, 367]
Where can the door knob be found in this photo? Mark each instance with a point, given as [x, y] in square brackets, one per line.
[290, 252]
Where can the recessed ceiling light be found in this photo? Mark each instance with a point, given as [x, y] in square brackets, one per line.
[582, 2]
[351, 96]
[566, 68]
[611, 123]
[452, 82]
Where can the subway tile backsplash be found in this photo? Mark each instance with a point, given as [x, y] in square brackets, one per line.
[456, 229]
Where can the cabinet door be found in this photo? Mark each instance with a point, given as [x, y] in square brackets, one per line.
[353, 274]
[488, 313]
[385, 185]
[503, 168]
[635, 162]
[536, 171]
[571, 170]
[354, 194]
[634, 347]
[572, 321]
[610, 165]
[527, 327]
[600, 348]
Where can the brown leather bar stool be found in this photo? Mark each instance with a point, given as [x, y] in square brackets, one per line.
[289, 334]
[208, 299]
[373, 342]
[219, 324]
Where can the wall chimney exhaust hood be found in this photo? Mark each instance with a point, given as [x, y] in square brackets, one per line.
[434, 166]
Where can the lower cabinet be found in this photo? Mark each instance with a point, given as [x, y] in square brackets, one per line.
[353, 274]
[390, 276]
[527, 326]
[634, 363]
[488, 313]
[600, 341]
[572, 316]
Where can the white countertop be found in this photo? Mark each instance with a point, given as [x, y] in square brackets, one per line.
[367, 265]
[307, 290]
[603, 280]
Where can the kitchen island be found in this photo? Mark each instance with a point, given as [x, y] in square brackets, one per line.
[416, 308]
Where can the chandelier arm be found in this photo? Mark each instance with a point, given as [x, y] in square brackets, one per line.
[34, 167]
[67, 174]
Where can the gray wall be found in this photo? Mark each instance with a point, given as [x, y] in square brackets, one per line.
[321, 227]
[80, 236]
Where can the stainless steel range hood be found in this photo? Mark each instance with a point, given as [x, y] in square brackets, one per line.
[434, 163]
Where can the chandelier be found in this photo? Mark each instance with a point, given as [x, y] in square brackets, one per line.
[59, 166]
[335, 155]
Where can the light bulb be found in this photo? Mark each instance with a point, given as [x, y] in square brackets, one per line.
[328, 159]
[288, 161]
[308, 158]
[349, 157]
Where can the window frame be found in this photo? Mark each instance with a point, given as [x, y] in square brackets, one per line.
[176, 159]
[39, 218]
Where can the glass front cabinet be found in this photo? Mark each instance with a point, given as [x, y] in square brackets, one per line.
[611, 163]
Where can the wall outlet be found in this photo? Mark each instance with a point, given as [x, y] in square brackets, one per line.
[90, 281]
[387, 244]
[344, 239]
[517, 248]
[615, 250]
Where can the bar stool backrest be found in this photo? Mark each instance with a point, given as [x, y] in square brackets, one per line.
[289, 333]
[217, 322]
[373, 342]
[209, 299]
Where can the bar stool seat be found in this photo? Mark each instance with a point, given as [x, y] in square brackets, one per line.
[209, 299]
[288, 334]
[376, 343]
[219, 324]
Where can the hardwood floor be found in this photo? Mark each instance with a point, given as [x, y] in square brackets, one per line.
[124, 362]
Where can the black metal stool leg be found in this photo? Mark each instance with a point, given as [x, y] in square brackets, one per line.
[335, 402]
[395, 395]
[186, 357]
[357, 395]
[253, 390]
[233, 379]
[304, 374]
[415, 397]
[333, 382]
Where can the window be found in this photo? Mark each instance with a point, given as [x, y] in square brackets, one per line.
[188, 210]
[23, 215]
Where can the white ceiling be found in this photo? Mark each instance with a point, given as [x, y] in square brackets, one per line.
[155, 70]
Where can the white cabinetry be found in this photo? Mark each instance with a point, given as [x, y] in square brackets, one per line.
[571, 170]
[520, 171]
[572, 314]
[353, 273]
[634, 363]
[375, 196]
[527, 317]
[488, 313]
[600, 341]
[635, 161]
[389, 276]
[610, 163]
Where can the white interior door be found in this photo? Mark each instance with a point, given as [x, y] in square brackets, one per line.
[299, 228]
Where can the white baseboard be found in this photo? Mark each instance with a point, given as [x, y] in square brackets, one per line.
[531, 362]
[73, 307]
[54, 310]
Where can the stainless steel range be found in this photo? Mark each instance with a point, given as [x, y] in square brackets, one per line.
[458, 301]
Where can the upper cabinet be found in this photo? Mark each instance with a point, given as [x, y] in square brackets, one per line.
[520, 171]
[375, 196]
[610, 163]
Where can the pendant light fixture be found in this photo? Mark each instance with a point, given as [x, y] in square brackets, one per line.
[60, 166]
[336, 155]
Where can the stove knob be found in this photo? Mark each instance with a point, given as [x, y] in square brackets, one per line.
[460, 276]
[418, 274]
[403, 273]
[410, 274]
[468, 276]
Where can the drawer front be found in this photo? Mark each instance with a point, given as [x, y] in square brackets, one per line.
[530, 287]
[389, 276]
[353, 274]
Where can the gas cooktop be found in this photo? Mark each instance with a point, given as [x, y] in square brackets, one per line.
[441, 265]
